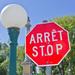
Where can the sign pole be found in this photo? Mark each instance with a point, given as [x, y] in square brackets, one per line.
[48, 68]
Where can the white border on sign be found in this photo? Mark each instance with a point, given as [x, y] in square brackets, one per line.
[64, 55]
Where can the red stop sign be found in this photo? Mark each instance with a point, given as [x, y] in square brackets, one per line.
[47, 44]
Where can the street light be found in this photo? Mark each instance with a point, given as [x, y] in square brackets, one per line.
[13, 17]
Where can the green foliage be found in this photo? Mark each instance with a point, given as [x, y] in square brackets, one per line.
[2, 58]
[3, 71]
[3, 67]
[68, 22]
[0, 46]
[19, 69]
[20, 59]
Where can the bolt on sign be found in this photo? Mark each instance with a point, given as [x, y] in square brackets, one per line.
[47, 44]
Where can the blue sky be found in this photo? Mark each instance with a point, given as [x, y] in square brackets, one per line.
[38, 10]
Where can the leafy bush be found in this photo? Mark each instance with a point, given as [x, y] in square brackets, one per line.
[2, 58]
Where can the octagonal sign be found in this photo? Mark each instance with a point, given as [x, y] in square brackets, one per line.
[47, 44]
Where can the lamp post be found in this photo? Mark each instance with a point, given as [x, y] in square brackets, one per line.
[13, 17]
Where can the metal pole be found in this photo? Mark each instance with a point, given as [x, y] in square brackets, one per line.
[48, 70]
[69, 69]
[13, 34]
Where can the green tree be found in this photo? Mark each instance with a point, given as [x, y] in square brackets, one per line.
[68, 22]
